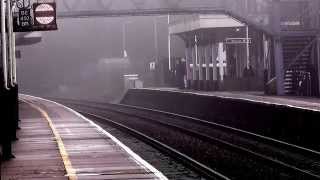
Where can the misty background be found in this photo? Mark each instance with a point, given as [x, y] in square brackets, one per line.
[80, 59]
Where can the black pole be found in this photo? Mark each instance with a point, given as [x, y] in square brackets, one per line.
[7, 125]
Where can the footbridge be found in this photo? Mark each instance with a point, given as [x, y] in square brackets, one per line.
[242, 10]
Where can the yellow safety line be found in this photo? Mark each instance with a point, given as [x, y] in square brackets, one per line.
[71, 172]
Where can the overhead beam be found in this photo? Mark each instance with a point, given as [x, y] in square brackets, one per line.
[137, 12]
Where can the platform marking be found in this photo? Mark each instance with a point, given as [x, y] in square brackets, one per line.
[144, 164]
[71, 172]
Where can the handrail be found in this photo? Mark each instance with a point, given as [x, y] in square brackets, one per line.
[301, 53]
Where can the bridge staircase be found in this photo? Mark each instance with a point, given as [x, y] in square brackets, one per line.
[297, 55]
[299, 31]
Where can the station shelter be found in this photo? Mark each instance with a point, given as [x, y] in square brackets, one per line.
[223, 53]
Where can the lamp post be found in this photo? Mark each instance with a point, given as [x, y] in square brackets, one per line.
[247, 47]
[169, 43]
[156, 39]
[124, 39]
[156, 48]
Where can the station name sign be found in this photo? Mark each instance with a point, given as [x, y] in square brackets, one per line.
[38, 17]
[238, 40]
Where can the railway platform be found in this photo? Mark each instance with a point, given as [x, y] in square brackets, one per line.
[55, 142]
[306, 103]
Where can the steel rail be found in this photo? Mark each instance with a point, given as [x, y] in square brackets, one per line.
[203, 169]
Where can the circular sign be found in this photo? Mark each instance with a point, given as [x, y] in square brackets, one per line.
[45, 9]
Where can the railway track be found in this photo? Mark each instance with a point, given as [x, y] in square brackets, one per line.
[271, 158]
[203, 169]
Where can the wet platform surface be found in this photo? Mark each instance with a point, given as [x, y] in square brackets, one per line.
[37, 153]
[57, 143]
[308, 103]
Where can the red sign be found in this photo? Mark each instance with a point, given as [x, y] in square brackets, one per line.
[44, 17]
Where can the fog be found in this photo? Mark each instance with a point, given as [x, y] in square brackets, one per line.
[67, 63]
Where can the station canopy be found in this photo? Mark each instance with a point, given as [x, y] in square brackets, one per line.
[203, 21]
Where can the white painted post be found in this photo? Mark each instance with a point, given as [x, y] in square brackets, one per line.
[248, 47]
[194, 63]
[207, 59]
[188, 58]
[14, 59]
[10, 48]
[221, 58]
[265, 50]
[124, 29]
[200, 58]
[195, 66]
[13, 46]
[214, 61]
[4, 44]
